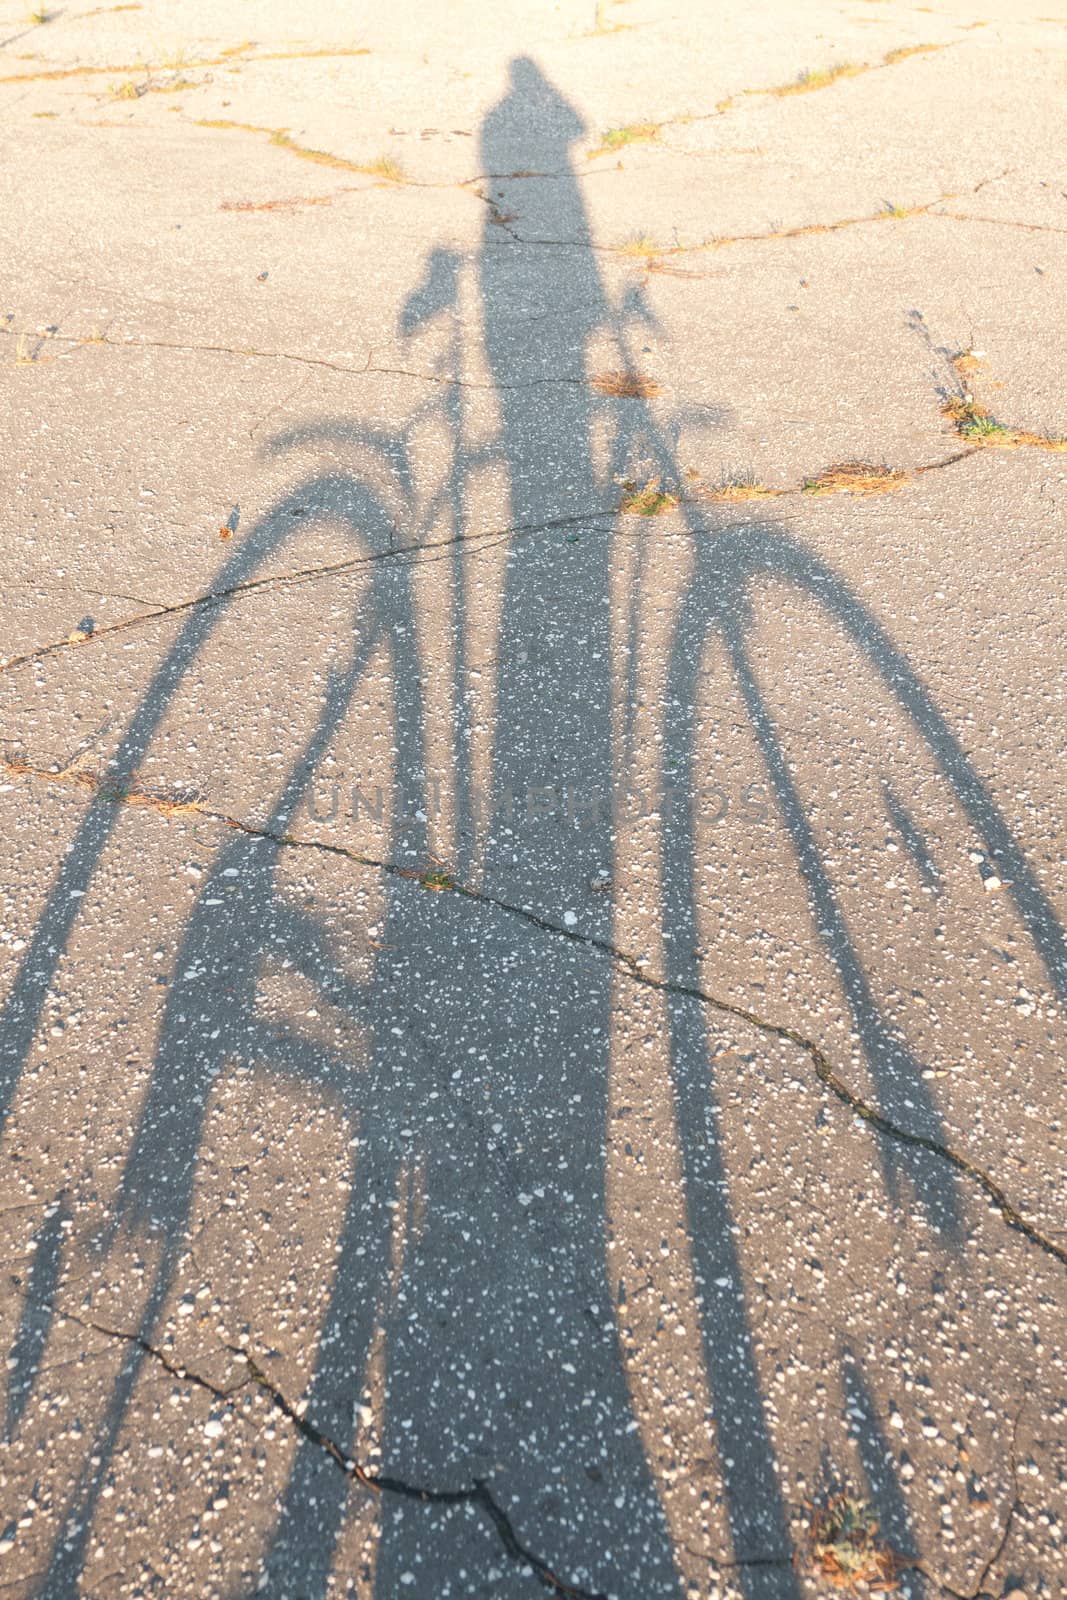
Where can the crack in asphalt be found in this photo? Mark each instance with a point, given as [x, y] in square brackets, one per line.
[1001, 222]
[423, 554]
[171, 805]
[479, 1496]
[176, 1369]
[369, 368]
[228, 58]
[823, 1067]
[801, 230]
[1013, 1506]
[740, 1562]
[654, 253]
[487, 538]
[978, 1591]
[651, 257]
[191, 349]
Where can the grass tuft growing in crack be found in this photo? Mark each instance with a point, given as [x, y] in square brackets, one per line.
[903, 51]
[57, 74]
[820, 78]
[386, 167]
[437, 880]
[855, 477]
[741, 484]
[975, 423]
[823, 77]
[646, 500]
[640, 244]
[626, 385]
[617, 138]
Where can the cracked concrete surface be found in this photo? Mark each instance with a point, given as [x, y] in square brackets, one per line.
[531, 1044]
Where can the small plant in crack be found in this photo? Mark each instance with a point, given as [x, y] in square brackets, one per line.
[174, 85]
[626, 385]
[437, 880]
[640, 244]
[820, 78]
[971, 420]
[903, 51]
[846, 1547]
[24, 356]
[740, 484]
[177, 58]
[966, 362]
[387, 167]
[128, 90]
[600, 23]
[434, 876]
[976, 424]
[649, 499]
[855, 477]
[38, 15]
[617, 138]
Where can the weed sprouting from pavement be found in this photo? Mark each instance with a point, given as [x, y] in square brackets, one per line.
[640, 244]
[387, 167]
[438, 881]
[646, 500]
[846, 1548]
[975, 423]
[174, 87]
[855, 477]
[903, 51]
[820, 78]
[601, 24]
[177, 59]
[626, 385]
[618, 138]
[739, 485]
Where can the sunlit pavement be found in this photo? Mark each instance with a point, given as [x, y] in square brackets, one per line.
[531, 707]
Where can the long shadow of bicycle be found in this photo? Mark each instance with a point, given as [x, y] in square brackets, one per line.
[488, 1040]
